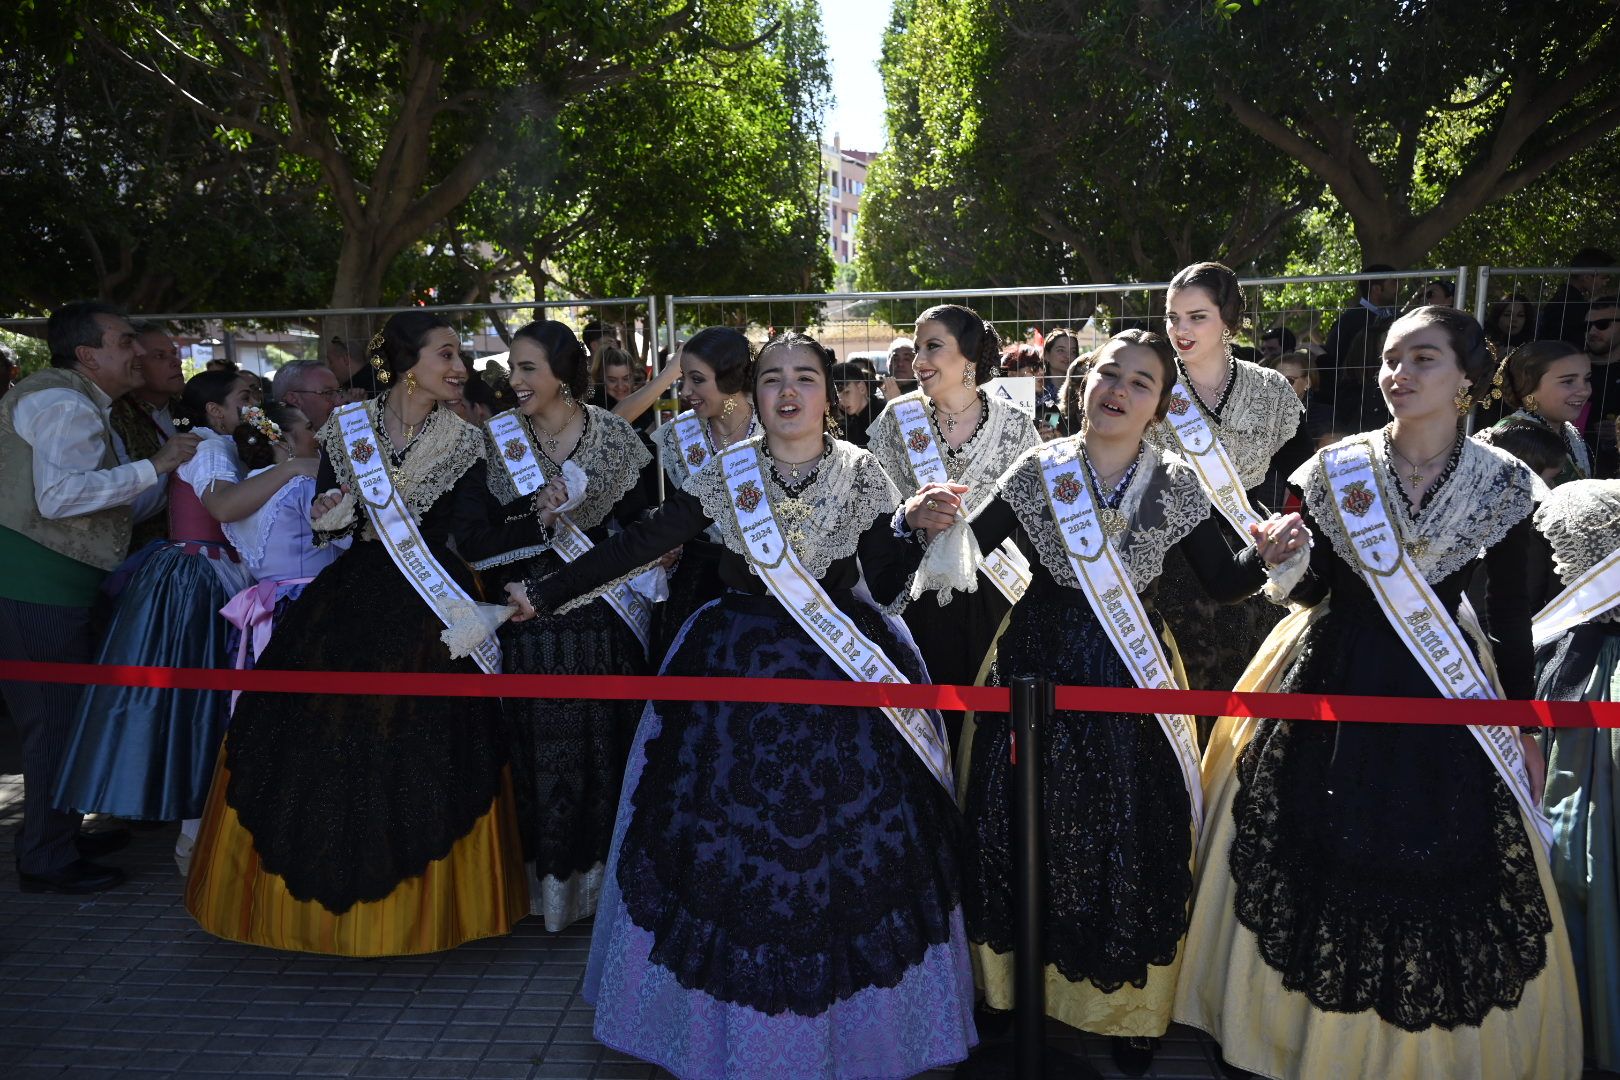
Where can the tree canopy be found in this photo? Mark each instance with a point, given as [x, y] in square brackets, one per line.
[292, 153]
[1098, 140]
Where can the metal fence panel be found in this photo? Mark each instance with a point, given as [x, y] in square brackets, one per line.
[1345, 394]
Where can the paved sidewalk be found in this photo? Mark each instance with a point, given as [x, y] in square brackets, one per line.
[124, 984]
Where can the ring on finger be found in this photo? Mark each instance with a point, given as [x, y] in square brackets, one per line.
[930, 504]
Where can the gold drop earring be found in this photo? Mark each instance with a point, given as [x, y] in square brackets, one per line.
[967, 376]
[1464, 401]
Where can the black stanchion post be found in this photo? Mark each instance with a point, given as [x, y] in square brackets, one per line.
[1031, 709]
[1027, 1057]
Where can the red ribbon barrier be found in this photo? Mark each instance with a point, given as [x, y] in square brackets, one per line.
[1332, 707]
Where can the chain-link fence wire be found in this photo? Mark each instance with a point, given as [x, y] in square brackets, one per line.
[1577, 305]
[1322, 317]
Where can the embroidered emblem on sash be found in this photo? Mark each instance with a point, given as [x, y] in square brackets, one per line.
[515, 450]
[748, 496]
[695, 455]
[1357, 499]
[918, 441]
[363, 450]
[1067, 488]
[1179, 405]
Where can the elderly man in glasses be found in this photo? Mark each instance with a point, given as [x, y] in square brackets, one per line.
[310, 387]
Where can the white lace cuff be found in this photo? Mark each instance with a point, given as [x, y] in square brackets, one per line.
[337, 519]
[1284, 578]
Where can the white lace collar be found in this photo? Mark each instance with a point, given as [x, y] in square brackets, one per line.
[1488, 493]
[1260, 413]
[610, 452]
[825, 522]
[441, 454]
[1162, 504]
[1007, 432]
[1581, 521]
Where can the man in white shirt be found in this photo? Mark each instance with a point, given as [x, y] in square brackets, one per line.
[65, 518]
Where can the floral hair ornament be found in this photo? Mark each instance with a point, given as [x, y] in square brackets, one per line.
[252, 414]
[374, 353]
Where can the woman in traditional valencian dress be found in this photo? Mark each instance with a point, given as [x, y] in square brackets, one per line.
[948, 429]
[783, 893]
[714, 368]
[145, 752]
[1579, 635]
[375, 825]
[567, 755]
[1546, 384]
[1374, 899]
[1227, 418]
[1120, 789]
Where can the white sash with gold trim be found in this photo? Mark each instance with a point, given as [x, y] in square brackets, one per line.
[801, 594]
[522, 463]
[1006, 565]
[1107, 587]
[1588, 596]
[689, 437]
[398, 531]
[1202, 449]
[1419, 618]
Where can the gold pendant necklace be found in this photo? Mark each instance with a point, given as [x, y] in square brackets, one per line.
[552, 437]
[950, 417]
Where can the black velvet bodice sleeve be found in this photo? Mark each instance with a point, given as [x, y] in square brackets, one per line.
[1512, 588]
[680, 519]
[468, 512]
[886, 559]
[1225, 575]
[480, 525]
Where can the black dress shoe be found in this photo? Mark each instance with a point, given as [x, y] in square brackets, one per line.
[1133, 1057]
[76, 878]
[95, 845]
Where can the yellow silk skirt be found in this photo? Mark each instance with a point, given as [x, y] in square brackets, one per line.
[476, 891]
[1227, 988]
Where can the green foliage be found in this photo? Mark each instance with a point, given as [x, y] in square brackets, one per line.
[112, 187]
[1098, 140]
[1024, 147]
[31, 353]
[281, 153]
[1415, 116]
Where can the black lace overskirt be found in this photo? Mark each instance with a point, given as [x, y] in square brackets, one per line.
[1383, 866]
[568, 756]
[347, 796]
[785, 857]
[1118, 822]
